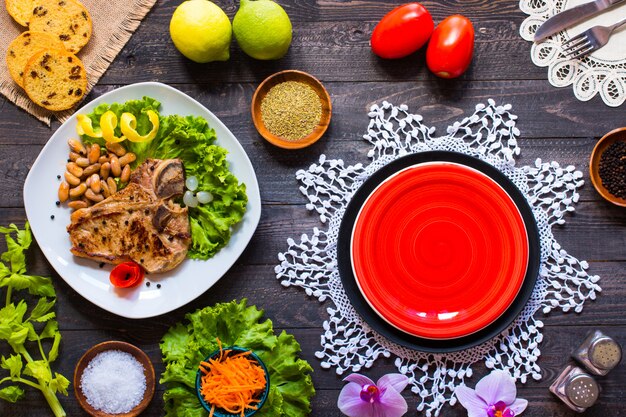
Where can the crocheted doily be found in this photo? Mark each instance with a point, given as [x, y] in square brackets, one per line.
[348, 343]
[602, 72]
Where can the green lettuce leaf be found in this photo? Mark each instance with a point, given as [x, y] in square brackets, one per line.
[234, 323]
[182, 402]
[287, 370]
[191, 139]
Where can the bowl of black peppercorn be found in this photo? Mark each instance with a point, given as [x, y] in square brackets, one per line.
[607, 167]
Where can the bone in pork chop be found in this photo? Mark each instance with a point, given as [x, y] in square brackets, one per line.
[140, 223]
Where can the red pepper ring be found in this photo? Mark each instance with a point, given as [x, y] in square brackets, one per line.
[126, 275]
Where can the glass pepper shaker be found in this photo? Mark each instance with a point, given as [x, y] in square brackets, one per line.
[576, 388]
[598, 353]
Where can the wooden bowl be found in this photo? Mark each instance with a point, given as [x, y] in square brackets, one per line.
[594, 164]
[124, 347]
[291, 75]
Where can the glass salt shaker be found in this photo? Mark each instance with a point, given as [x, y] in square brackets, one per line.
[598, 353]
[576, 388]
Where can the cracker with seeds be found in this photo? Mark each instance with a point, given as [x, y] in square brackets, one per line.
[67, 20]
[55, 79]
[24, 47]
[20, 10]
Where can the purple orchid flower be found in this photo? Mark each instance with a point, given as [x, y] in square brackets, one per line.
[362, 398]
[494, 397]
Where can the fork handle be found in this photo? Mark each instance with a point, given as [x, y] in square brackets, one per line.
[617, 25]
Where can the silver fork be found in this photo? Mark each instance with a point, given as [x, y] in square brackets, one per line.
[590, 40]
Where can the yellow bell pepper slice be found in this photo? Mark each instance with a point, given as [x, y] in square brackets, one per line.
[108, 123]
[84, 127]
[128, 125]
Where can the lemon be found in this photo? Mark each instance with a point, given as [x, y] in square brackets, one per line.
[262, 29]
[201, 31]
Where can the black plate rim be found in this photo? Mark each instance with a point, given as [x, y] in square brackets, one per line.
[398, 336]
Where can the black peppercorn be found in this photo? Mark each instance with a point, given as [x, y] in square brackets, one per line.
[612, 169]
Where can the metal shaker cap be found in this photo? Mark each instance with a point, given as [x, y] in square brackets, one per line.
[582, 390]
[605, 353]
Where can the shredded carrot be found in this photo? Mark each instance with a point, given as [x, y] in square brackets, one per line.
[232, 383]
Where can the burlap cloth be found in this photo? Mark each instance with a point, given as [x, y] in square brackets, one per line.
[114, 21]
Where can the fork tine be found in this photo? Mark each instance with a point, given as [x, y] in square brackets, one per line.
[583, 52]
[572, 40]
[574, 44]
[578, 48]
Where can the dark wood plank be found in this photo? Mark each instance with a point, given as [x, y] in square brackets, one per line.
[328, 39]
[276, 168]
[556, 348]
[584, 235]
[257, 282]
[541, 115]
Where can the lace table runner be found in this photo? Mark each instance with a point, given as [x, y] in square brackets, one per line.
[603, 72]
[348, 344]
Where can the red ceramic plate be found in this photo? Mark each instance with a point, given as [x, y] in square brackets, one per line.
[439, 250]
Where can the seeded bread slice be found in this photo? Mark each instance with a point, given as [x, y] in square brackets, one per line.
[55, 79]
[24, 47]
[67, 20]
[20, 10]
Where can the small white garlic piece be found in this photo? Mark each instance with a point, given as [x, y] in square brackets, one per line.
[189, 199]
[204, 197]
[191, 183]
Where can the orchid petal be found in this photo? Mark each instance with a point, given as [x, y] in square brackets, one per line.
[359, 379]
[475, 405]
[497, 386]
[378, 410]
[508, 413]
[518, 406]
[397, 381]
[351, 404]
[392, 403]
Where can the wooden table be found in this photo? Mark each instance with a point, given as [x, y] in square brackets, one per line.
[331, 41]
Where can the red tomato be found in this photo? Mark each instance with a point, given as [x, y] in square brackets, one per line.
[451, 47]
[127, 274]
[402, 31]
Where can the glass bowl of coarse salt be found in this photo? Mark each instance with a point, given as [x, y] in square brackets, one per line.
[114, 379]
[291, 109]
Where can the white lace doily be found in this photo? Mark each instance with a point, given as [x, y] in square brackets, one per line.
[348, 343]
[602, 72]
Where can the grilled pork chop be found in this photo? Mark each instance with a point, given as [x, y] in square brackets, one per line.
[140, 223]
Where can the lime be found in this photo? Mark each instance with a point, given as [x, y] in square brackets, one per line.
[201, 31]
[262, 29]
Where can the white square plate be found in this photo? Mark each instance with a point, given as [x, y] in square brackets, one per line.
[179, 286]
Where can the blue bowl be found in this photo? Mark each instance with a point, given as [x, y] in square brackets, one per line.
[229, 351]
